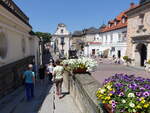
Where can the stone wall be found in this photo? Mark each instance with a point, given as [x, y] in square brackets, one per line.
[10, 78]
[82, 88]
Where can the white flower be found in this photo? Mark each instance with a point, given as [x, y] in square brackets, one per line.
[134, 110]
[109, 87]
[89, 63]
[131, 95]
[131, 104]
[102, 90]
[123, 101]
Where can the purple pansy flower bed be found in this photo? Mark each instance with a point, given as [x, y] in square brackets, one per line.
[126, 94]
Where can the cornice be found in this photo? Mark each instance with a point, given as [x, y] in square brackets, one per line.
[15, 10]
[138, 9]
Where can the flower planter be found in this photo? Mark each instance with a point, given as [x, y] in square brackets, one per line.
[124, 92]
[108, 108]
[147, 68]
[79, 70]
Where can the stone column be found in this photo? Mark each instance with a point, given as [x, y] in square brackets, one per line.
[136, 56]
[148, 53]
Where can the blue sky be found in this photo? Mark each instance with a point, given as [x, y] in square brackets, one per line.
[76, 14]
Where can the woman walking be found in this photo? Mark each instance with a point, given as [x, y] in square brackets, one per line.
[58, 77]
[50, 68]
[42, 73]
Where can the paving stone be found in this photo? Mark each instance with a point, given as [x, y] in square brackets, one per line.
[107, 69]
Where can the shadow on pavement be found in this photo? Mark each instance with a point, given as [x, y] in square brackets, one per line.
[34, 105]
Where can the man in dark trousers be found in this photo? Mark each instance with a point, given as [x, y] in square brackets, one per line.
[29, 77]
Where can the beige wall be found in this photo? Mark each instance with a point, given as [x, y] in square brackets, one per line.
[65, 46]
[15, 31]
[89, 37]
[75, 41]
[133, 24]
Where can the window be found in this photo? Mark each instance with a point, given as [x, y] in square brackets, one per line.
[106, 39]
[141, 16]
[124, 36]
[123, 20]
[102, 39]
[115, 23]
[119, 37]
[111, 38]
[3, 45]
[62, 31]
[62, 41]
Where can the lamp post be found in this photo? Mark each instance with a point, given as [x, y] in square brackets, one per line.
[41, 50]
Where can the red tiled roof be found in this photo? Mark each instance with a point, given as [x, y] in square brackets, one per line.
[118, 19]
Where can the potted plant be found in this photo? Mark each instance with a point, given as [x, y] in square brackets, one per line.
[147, 66]
[125, 94]
[127, 60]
[80, 65]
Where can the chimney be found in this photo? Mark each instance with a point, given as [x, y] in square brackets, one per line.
[132, 5]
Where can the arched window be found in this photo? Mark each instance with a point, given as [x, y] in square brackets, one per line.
[3, 45]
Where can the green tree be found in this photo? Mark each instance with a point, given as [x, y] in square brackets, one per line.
[46, 36]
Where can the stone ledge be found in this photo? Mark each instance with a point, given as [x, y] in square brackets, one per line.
[82, 88]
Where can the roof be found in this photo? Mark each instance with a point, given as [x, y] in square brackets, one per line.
[117, 23]
[91, 30]
[78, 33]
[15, 10]
[61, 25]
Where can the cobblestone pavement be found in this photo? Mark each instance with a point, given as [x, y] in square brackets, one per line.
[17, 103]
[107, 68]
[45, 101]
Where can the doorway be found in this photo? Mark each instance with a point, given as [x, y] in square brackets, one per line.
[119, 53]
[93, 51]
[142, 49]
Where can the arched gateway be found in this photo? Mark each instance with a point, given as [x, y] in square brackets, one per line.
[141, 55]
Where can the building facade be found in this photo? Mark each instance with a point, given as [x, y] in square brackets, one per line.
[62, 40]
[139, 33]
[18, 45]
[114, 36]
[92, 42]
[87, 41]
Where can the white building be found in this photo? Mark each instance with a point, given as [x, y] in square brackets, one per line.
[92, 42]
[114, 38]
[87, 41]
[61, 40]
[18, 45]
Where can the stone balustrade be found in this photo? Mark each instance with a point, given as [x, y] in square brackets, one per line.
[82, 88]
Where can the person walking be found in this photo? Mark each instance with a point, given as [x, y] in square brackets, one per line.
[50, 68]
[29, 77]
[58, 77]
[42, 73]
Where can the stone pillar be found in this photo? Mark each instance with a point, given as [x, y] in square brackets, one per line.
[133, 54]
[148, 53]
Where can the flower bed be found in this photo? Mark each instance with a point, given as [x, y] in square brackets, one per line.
[125, 94]
[80, 65]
